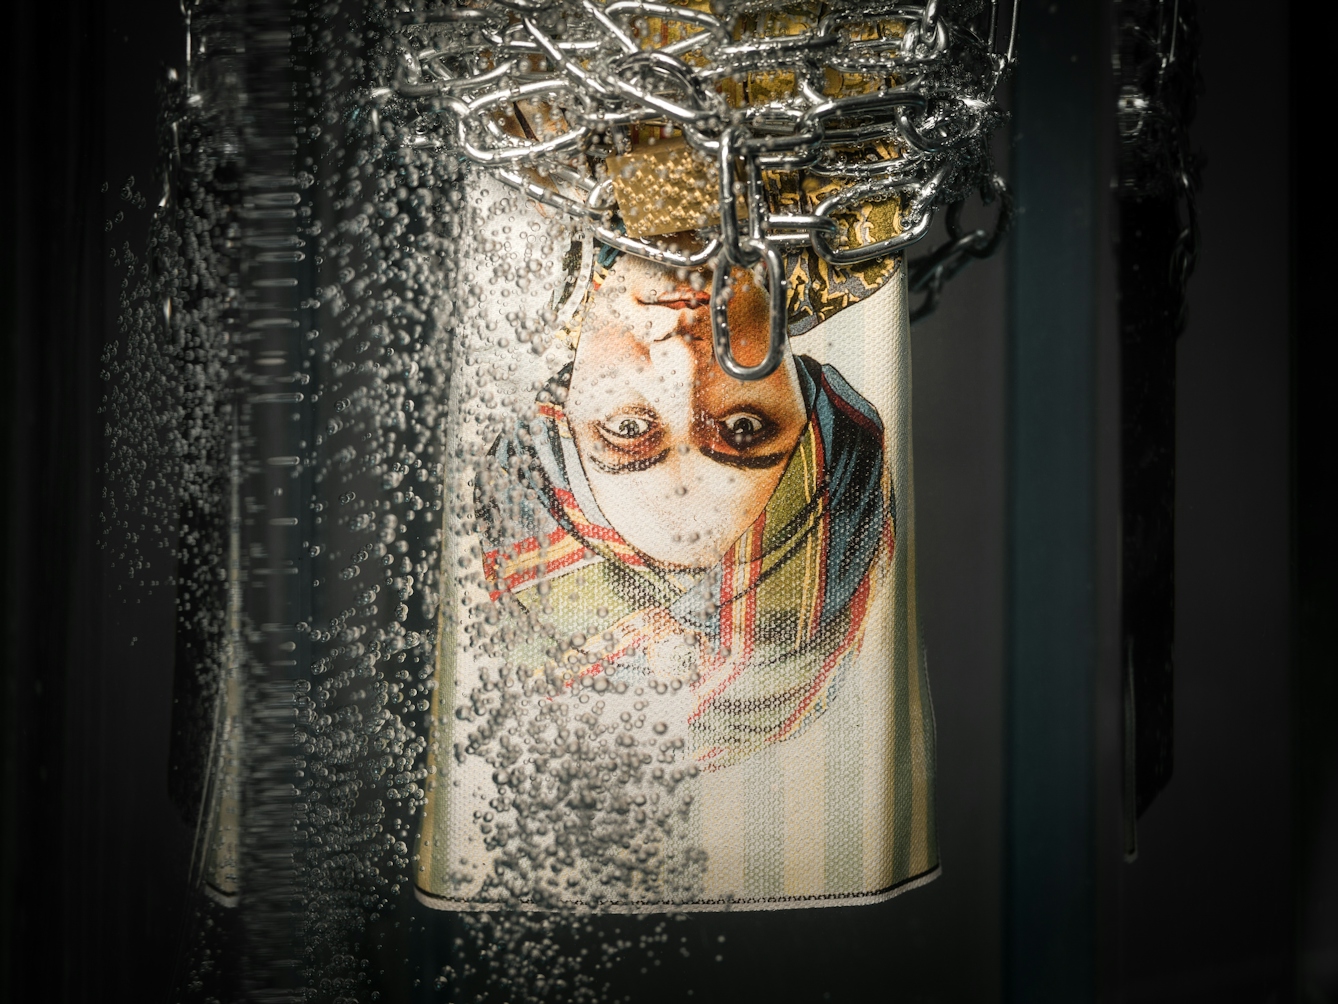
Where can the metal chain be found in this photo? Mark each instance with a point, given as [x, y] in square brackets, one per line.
[917, 129]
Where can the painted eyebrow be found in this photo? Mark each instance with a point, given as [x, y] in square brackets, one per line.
[641, 464]
[761, 462]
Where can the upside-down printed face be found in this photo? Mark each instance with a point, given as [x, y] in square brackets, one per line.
[680, 457]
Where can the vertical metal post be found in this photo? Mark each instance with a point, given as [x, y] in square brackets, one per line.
[1049, 908]
[1157, 64]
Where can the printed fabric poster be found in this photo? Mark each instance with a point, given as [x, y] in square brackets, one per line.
[679, 658]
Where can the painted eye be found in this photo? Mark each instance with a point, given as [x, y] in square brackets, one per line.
[742, 428]
[627, 426]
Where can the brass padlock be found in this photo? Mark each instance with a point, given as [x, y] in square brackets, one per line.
[665, 188]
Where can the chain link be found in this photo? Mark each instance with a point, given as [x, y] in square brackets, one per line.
[916, 129]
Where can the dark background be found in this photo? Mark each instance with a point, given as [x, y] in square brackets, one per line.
[1234, 896]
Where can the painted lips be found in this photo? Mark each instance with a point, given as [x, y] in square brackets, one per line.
[681, 299]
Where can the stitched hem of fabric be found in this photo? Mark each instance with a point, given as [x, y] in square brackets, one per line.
[729, 905]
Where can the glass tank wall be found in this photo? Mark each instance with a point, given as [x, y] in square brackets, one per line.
[264, 340]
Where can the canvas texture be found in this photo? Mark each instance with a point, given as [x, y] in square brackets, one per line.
[717, 579]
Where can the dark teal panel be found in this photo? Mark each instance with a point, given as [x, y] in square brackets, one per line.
[1048, 912]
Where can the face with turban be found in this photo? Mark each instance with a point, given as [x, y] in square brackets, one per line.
[680, 457]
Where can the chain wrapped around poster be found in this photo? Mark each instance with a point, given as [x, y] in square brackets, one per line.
[679, 660]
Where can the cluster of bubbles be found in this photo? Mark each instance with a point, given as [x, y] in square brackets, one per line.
[587, 791]
[410, 341]
[587, 795]
[552, 957]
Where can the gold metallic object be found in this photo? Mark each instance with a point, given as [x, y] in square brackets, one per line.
[665, 188]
